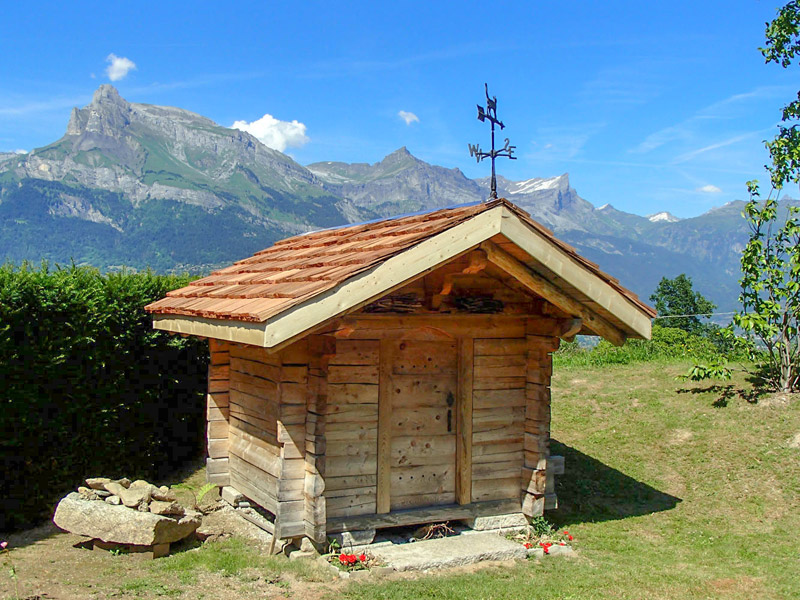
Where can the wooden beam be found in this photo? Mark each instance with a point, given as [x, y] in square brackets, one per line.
[541, 286]
[384, 468]
[414, 516]
[464, 422]
[579, 276]
[570, 329]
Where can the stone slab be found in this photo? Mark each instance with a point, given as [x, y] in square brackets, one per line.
[449, 552]
[118, 524]
[488, 523]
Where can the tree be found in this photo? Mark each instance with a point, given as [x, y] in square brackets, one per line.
[676, 297]
[770, 281]
[770, 261]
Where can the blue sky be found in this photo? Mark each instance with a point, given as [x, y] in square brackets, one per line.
[648, 106]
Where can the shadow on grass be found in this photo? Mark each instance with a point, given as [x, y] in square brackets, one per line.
[726, 393]
[591, 491]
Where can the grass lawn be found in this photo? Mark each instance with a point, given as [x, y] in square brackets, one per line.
[672, 490]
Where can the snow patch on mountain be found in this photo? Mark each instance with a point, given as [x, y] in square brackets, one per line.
[663, 216]
[537, 184]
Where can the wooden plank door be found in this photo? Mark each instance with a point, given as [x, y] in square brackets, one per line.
[419, 381]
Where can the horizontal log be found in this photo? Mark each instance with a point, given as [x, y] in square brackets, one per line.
[256, 369]
[352, 448]
[496, 371]
[352, 393]
[499, 383]
[500, 347]
[417, 516]
[355, 352]
[489, 399]
[218, 399]
[422, 499]
[347, 482]
[294, 374]
[353, 374]
[263, 388]
[217, 429]
[217, 414]
[496, 489]
[217, 465]
[217, 385]
[218, 448]
[338, 466]
[461, 325]
[241, 423]
[254, 353]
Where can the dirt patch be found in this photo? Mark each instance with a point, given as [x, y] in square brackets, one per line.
[779, 400]
[679, 436]
[49, 565]
[794, 442]
[736, 587]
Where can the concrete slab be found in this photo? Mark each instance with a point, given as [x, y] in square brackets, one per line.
[448, 552]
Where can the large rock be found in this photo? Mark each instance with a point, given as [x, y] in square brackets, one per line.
[121, 525]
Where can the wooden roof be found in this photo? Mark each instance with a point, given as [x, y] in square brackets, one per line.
[254, 294]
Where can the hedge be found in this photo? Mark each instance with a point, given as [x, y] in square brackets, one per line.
[87, 387]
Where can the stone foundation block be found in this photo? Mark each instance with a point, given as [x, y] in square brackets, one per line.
[497, 522]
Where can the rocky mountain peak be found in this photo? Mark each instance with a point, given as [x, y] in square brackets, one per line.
[398, 156]
[107, 114]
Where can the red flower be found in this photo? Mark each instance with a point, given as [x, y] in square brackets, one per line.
[528, 545]
[362, 557]
[351, 559]
[343, 558]
[570, 538]
[563, 543]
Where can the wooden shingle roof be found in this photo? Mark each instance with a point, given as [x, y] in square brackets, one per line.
[295, 271]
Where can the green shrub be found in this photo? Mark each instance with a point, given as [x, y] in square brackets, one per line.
[666, 343]
[87, 387]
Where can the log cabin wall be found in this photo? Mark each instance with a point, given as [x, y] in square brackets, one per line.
[351, 428]
[267, 401]
[255, 453]
[537, 484]
[217, 411]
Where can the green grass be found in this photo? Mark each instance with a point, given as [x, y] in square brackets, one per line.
[234, 557]
[672, 490]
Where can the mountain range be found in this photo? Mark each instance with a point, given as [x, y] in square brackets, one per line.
[139, 186]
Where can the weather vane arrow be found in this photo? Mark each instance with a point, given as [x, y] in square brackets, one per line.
[490, 114]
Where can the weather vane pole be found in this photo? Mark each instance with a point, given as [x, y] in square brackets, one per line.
[490, 113]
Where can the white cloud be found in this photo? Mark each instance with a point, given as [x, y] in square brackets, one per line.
[20, 151]
[274, 133]
[408, 117]
[709, 189]
[118, 67]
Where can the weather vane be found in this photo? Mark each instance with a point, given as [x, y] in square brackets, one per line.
[490, 113]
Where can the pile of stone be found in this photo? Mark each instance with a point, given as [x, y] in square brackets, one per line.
[135, 514]
[140, 494]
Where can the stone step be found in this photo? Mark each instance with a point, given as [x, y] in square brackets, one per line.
[448, 552]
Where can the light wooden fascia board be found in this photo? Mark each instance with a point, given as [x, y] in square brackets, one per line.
[242, 332]
[382, 278]
[557, 261]
[544, 288]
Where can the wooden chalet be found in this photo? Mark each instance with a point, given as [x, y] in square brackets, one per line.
[394, 372]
